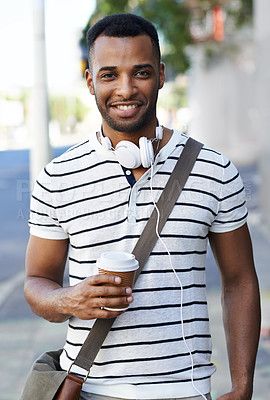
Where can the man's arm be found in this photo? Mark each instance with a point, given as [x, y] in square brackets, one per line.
[241, 307]
[44, 291]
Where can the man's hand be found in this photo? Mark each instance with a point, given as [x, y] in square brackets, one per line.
[44, 291]
[236, 394]
[87, 299]
[84, 300]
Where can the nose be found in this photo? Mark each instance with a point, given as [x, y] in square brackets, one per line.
[126, 87]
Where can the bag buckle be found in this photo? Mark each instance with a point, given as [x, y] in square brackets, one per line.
[86, 376]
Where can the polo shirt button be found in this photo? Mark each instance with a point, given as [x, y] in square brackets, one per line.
[128, 172]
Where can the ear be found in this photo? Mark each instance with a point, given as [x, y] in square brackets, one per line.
[161, 75]
[89, 81]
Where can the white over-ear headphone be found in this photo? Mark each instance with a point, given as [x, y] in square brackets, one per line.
[129, 155]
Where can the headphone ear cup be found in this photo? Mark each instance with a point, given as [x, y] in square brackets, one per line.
[106, 143]
[128, 154]
[147, 152]
[159, 132]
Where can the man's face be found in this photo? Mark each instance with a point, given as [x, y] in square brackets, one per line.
[125, 78]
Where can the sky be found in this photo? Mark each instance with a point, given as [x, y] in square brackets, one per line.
[64, 22]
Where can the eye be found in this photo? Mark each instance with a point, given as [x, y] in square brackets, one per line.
[108, 76]
[143, 74]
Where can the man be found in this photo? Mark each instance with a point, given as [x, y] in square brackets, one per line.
[87, 202]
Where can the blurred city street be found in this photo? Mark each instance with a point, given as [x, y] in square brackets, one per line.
[23, 336]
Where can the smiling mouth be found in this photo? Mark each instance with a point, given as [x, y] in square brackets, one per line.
[131, 107]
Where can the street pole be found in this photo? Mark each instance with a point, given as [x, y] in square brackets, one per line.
[40, 152]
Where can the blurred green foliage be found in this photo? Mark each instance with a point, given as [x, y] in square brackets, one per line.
[172, 19]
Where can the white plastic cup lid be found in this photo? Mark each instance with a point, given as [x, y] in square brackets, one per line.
[117, 261]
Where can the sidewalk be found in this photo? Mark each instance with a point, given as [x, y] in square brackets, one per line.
[24, 336]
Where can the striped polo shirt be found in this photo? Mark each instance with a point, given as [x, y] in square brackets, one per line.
[84, 195]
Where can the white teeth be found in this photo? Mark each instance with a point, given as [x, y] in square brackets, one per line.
[126, 107]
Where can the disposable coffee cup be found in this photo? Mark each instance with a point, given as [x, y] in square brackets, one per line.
[119, 264]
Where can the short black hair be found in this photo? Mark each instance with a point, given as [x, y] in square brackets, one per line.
[122, 25]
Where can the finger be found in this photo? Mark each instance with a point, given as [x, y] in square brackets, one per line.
[109, 290]
[100, 279]
[116, 302]
[113, 290]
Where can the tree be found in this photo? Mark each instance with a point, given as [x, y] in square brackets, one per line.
[173, 20]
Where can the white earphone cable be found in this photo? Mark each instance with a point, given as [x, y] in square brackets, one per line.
[180, 284]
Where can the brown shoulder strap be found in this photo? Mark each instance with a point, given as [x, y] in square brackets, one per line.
[145, 244]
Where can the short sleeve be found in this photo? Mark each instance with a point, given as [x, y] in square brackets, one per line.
[232, 211]
[43, 221]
